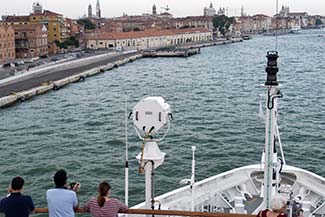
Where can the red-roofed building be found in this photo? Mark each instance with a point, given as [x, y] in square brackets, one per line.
[146, 39]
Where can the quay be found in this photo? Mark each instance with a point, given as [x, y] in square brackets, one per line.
[39, 81]
[185, 50]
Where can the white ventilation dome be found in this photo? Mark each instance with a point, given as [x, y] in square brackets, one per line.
[151, 114]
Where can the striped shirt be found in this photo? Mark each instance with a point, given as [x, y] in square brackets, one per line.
[110, 208]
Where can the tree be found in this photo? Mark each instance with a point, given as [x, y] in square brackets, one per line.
[222, 23]
[86, 23]
[72, 41]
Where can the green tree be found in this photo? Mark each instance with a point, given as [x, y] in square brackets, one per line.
[222, 23]
[72, 41]
[86, 23]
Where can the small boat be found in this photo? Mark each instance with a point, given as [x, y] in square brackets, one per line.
[295, 29]
[246, 37]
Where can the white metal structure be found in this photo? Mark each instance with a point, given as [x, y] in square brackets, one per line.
[149, 116]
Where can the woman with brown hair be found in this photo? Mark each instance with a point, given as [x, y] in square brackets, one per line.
[103, 205]
[278, 208]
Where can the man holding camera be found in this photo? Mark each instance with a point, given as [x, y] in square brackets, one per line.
[61, 200]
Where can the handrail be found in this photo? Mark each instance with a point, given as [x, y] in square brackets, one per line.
[164, 212]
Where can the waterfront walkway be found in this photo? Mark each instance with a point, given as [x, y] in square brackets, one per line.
[55, 72]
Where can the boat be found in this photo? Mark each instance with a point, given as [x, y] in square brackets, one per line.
[295, 29]
[243, 190]
[246, 37]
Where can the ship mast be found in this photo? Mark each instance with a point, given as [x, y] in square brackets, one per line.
[270, 155]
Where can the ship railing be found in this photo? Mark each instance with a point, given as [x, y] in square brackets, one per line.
[164, 213]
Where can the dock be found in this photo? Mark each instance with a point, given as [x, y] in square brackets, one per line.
[186, 50]
[171, 52]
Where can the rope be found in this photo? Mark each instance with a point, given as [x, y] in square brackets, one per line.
[141, 168]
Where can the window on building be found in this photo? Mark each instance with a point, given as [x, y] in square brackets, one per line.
[54, 29]
[54, 35]
[0, 56]
[34, 18]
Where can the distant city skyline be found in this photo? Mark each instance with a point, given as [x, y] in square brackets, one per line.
[179, 8]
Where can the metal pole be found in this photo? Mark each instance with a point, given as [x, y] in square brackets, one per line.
[269, 146]
[193, 178]
[126, 155]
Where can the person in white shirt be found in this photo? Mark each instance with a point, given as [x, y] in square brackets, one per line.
[61, 200]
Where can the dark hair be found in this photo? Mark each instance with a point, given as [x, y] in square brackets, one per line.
[60, 178]
[17, 183]
[103, 188]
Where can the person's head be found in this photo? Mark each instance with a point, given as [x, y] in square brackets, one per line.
[60, 178]
[17, 183]
[300, 213]
[103, 190]
[278, 204]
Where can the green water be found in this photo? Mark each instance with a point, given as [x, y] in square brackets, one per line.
[215, 101]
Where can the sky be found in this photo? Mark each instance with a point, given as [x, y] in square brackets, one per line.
[179, 8]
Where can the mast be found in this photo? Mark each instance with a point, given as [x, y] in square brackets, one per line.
[270, 161]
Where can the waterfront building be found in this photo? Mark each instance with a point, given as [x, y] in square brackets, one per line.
[258, 23]
[30, 40]
[146, 39]
[292, 18]
[194, 22]
[7, 43]
[210, 11]
[56, 26]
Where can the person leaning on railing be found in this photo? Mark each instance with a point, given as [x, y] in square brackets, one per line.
[62, 200]
[103, 205]
[16, 204]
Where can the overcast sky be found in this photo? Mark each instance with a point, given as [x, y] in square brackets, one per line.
[179, 8]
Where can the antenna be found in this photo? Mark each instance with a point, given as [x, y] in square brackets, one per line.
[126, 154]
[277, 24]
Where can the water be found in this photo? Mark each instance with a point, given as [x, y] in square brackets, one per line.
[215, 101]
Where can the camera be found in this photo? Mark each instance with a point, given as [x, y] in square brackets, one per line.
[72, 184]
